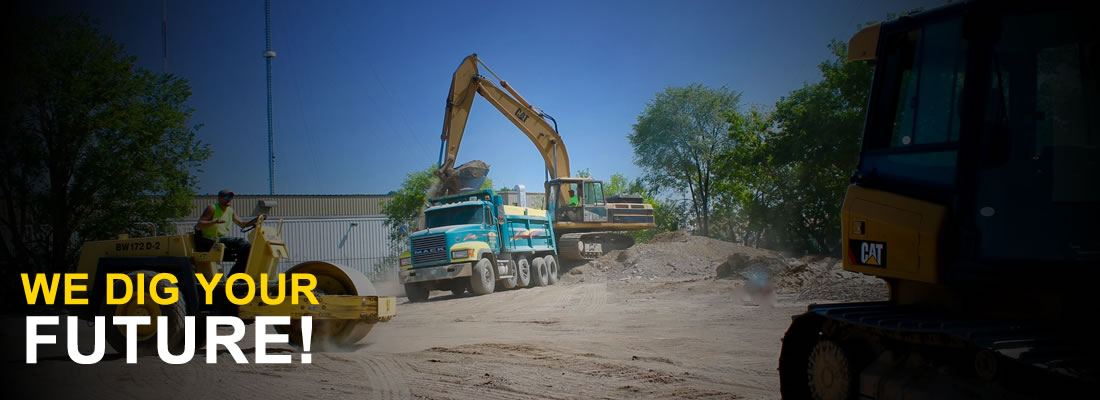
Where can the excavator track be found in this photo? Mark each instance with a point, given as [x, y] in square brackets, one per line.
[882, 350]
[591, 245]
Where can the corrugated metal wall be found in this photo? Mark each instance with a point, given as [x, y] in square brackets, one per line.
[360, 243]
[298, 205]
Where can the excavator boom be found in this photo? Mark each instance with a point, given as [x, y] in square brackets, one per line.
[531, 121]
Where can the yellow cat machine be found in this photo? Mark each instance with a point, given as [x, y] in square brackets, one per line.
[348, 305]
[587, 229]
[976, 200]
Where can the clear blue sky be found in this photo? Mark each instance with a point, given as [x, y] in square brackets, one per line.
[359, 86]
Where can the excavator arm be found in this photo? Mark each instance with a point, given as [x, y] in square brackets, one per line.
[530, 120]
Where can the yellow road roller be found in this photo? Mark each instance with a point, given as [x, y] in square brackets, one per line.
[347, 305]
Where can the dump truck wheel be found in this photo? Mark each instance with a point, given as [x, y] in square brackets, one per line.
[539, 274]
[551, 268]
[416, 292]
[146, 334]
[523, 273]
[457, 286]
[483, 280]
[510, 283]
[332, 279]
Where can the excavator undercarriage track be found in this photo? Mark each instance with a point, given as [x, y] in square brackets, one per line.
[591, 245]
[883, 350]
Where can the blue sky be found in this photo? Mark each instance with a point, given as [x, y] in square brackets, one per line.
[359, 86]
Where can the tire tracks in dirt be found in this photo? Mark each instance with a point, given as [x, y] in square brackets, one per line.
[541, 372]
[583, 298]
[385, 376]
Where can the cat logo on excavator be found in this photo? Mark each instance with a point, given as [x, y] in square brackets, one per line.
[870, 253]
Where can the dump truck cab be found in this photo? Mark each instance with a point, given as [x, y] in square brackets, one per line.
[471, 241]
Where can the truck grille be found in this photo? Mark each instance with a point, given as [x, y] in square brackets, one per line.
[427, 249]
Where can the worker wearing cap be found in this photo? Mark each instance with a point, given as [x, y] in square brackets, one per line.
[573, 198]
[213, 227]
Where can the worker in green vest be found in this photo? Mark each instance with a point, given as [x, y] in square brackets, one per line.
[213, 227]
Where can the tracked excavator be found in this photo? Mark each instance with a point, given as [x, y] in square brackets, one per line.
[587, 229]
[976, 200]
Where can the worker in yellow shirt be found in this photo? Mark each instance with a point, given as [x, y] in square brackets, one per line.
[213, 227]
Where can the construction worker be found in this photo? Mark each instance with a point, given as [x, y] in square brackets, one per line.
[213, 227]
[573, 198]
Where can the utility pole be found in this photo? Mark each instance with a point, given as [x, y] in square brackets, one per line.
[164, 35]
[268, 55]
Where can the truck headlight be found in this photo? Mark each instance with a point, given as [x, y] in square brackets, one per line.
[406, 261]
[460, 254]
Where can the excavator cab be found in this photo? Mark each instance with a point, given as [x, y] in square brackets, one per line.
[590, 207]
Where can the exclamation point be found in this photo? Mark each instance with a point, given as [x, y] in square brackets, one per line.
[307, 336]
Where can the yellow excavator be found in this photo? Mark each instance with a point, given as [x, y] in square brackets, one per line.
[976, 200]
[585, 230]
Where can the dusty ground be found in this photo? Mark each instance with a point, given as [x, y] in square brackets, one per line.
[622, 327]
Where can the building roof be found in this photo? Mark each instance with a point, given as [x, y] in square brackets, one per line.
[306, 205]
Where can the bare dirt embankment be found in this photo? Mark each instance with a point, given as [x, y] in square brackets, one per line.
[677, 256]
[675, 318]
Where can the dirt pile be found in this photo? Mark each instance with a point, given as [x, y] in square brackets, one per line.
[669, 256]
[817, 278]
[675, 256]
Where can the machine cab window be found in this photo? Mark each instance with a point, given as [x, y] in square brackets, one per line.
[489, 220]
[1038, 172]
[914, 125]
[593, 193]
[460, 215]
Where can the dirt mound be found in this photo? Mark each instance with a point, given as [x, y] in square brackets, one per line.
[670, 256]
[744, 266]
[674, 256]
[825, 279]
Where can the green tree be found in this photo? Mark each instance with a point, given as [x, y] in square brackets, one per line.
[787, 176]
[679, 139]
[408, 202]
[583, 173]
[93, 146]
[617, 185]
[620, 185]
[668, 215]
[819, 128]
[488, 184]
[747, 179]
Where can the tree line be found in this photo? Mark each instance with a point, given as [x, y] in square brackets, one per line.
[772, 178]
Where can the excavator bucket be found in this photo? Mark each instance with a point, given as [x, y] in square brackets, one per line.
[337, 284]
[465, 177]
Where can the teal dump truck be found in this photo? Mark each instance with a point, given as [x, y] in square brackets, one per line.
[473, 242]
